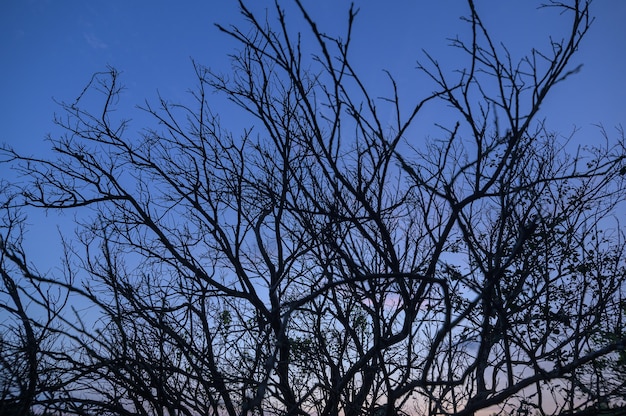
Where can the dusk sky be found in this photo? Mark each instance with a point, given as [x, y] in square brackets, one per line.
[50, 49]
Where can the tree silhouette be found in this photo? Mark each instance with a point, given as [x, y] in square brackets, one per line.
[324, 261]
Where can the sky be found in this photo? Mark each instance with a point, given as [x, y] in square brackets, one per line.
[50, 49]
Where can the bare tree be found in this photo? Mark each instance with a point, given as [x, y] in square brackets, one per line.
[29, 309]
[324, 261]
[18, 342]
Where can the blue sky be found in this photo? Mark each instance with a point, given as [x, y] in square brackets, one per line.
[50, 48]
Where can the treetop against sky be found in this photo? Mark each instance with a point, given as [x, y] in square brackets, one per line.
[52, 48]
[255, 221]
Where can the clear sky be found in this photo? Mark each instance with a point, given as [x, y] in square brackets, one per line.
[50, 48]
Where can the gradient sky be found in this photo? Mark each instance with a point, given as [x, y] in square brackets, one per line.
[50, 49]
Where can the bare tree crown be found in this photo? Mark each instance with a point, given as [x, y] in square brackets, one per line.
[325, 261]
